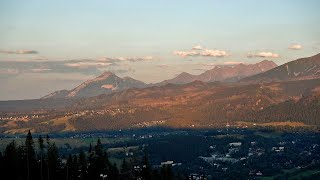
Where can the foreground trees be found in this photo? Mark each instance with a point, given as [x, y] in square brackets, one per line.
[24, 162]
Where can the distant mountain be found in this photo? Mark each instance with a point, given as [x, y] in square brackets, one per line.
[292, 96]
[223, 73]
[300, 69]
[202, 105]
[197, 104]
[182, 78]
[106, 83]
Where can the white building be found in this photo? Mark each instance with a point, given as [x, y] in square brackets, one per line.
[235, 144]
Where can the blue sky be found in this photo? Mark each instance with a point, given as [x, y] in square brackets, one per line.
[147, 40]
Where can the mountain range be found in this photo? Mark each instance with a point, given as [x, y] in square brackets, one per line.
[300, 69]
[264, 71]
[288, 94]
[108, 82]
[225, 73]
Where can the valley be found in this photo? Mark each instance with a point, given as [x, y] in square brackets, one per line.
[198, 104]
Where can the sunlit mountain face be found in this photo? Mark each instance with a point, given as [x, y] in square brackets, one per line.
[159, 90]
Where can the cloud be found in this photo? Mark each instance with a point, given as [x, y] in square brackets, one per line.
[19, 52]
[207, 66]
[199, 51]
[80, 66]
[132, 59]
[86, 67]
[214, 53]
[263, 55]
[197, 47]
[295, 47]
[104, 61]
[40, 70]
[8, 71]
[186, 53]
[87, 64]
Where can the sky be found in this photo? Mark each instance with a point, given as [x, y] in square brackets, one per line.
[52, 45]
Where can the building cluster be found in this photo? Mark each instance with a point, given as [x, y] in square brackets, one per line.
[222, 160]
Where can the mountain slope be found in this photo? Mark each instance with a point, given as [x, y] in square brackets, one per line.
[304, 68]
[201, 104]
[182, 78]
[109, 82]
[223, 73]
[106, 83]
[197, 104]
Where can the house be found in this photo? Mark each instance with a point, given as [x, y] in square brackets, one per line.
[235, 144]
[167, 163]
[278, 149]
[195, 176]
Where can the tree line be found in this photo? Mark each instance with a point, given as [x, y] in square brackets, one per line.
[41, 161]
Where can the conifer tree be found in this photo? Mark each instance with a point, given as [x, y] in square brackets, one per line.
[82, 164]
[146, 170]
[10, 161]
[98, 148]
[41, 151]
[30, 154]
[69, 167]
[53, 160]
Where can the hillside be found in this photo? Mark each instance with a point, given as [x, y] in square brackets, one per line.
[300, 69]
[106, 83]
[275, 97]
[223, 73]
[192, 105]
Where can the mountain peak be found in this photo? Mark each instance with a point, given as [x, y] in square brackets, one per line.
[317, 55]
[223, 73]
[106, 74]
[300, 69]
[267, 62]
[106, 83]
[184, 74]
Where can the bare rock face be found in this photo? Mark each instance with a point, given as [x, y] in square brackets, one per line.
[106, 83]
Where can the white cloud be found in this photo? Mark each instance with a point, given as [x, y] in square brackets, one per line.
[201, 52]
[186, 53]
[197, 47]
[212, 65]
[263, 55]
[39, 70]
[214, 53]
[87, 64]
[19, 52]
[132, 59]
[295, 47]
